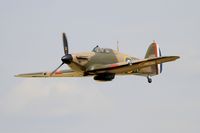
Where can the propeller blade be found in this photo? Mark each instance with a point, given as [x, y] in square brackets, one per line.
[56, 69]
[65, 44]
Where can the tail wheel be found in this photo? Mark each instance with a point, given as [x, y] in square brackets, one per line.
[149, 79]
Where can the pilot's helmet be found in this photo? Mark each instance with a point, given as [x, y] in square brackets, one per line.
[96, 48]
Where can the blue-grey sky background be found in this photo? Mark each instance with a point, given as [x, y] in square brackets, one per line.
[30, 41]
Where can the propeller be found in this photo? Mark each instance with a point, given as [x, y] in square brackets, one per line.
[65, 44]
[67, 58]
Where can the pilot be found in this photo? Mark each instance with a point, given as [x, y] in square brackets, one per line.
[96, 48]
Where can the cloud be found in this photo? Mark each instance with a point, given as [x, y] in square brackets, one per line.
[49, 99]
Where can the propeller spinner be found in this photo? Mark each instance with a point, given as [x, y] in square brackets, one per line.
[67, 58]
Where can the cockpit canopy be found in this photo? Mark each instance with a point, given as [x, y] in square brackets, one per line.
[97, 49]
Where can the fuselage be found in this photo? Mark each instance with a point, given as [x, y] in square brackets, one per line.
[100, 56]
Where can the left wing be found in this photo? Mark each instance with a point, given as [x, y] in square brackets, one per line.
[124, 67]
[61, 73]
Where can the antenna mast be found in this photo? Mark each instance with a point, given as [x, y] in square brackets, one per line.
[118, 46]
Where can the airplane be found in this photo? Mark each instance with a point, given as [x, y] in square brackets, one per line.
[105, 63]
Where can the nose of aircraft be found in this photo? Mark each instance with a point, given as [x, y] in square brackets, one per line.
[67, 59]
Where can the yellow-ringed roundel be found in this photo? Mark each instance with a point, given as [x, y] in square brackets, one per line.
[129, 60]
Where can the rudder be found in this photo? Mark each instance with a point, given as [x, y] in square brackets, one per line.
[154, 51]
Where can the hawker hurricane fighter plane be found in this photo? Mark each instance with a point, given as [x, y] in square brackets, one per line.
[105, 63]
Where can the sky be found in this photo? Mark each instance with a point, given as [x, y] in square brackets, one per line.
[31, 41]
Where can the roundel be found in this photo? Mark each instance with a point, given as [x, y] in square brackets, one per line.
[128, 60]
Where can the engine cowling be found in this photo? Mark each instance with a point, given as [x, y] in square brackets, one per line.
[104, 77]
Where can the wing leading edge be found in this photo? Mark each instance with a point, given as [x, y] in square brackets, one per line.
[117, 68]
[61, 73]
[125, 67]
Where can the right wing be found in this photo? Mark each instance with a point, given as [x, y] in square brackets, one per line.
[61, 73]
[125, 67]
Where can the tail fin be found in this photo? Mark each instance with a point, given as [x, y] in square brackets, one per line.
[154, 51]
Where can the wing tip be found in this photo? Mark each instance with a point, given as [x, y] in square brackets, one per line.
[21, 75]
[175, 57]
[16, 75]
